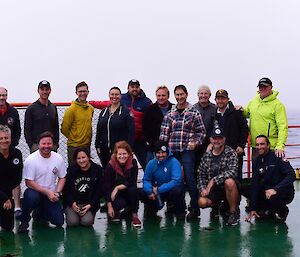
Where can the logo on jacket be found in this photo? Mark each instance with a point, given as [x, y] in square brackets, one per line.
[83, 188]
[10, 121]
[16, 161]
[165, 169]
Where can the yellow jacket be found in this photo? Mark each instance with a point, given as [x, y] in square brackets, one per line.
[77, 124]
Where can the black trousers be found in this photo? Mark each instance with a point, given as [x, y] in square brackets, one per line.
[127, 198]
[7, 217]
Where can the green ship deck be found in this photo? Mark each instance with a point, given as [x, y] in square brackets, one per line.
[161, 237]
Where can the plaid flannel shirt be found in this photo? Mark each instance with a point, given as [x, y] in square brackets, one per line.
[180, 128]
[228, 168]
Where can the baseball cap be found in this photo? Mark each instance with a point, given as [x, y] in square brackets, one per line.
[222, 93]
[265, 82]
[217, 132]
[133, 82]
[44, 83]
[161, 146]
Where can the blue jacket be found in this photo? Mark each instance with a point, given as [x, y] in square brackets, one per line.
[167, 174]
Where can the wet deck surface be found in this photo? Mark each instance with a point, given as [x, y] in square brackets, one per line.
[161, 236]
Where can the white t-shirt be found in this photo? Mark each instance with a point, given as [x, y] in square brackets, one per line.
[44, 171]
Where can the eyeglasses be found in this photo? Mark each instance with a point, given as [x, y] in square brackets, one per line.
[3, 95]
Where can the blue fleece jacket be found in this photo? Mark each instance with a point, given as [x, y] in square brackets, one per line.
[167, 174]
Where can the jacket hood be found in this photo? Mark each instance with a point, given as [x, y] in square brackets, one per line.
[141, 95]
[269, 98]
[86, 105]
[117, 167]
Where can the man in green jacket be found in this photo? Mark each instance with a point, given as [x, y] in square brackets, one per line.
[267, 117]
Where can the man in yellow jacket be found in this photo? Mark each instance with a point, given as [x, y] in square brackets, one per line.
[77, 122]
[268, 117]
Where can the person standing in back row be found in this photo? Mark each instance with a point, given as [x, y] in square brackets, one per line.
[9, 116]
[77, 122]
[137, 102]
[41, 116]
[184, 130]
[234, 125]
[267, 117]
[153, 118]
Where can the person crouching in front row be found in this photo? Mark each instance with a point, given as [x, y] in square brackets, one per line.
[163, 182]
[82, 190]
[271, 185]
[217, 177]
[120, 184]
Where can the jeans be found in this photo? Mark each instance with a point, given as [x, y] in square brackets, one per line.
[187, 160]
[50, 211]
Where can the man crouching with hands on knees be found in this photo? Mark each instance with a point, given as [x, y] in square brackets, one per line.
[217, 177]
[41, 171]
[272, 184]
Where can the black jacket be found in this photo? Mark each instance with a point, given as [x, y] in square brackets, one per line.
[74, 181]
[38, 119]
[113, 128]
[11, 118]
[235, 127]
[10, 173]
[271, 172]
[152, 120]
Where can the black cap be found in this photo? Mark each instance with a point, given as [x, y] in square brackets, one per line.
[217, 132]
[161, 146]
[222, 93]
[44, 83]
[133, 82]
[264, 82]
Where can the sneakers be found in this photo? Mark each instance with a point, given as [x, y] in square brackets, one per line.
[23, 228]
[193, 214]
[233, 219]
[135, 221]
[18, 213]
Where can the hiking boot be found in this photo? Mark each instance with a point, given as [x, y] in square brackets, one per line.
[116, 218]
[193, 214]
[281, 218]
[18, 213]
[170, 209]
[135, 221]
[23, 227]
[233, 219]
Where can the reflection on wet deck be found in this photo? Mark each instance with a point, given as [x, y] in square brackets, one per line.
[161, 236]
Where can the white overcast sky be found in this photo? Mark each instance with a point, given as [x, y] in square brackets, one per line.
[225, 44]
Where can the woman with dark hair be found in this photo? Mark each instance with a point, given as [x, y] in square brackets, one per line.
[82, 190]
[120, 187]
[114, 124]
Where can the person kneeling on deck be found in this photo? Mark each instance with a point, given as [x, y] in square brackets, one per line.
[217, 177]
[120, 184]
[272, 184]
[163, 182]
[41, 170]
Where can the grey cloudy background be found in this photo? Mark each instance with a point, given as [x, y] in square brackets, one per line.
[224, 44]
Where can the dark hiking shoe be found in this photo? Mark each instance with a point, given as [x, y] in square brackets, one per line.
[233, 219]
[281, 218]
[193, 214]
[180, 216]
[23, 227]
[18, 214]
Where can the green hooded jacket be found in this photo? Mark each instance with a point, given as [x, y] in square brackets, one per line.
[268, 117]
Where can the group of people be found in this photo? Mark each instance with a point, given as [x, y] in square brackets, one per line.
[180, 147]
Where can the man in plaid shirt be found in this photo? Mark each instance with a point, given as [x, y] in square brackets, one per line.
[184, 130]
[217, 177]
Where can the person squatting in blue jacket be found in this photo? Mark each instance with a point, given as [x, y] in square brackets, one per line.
[163, 182]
